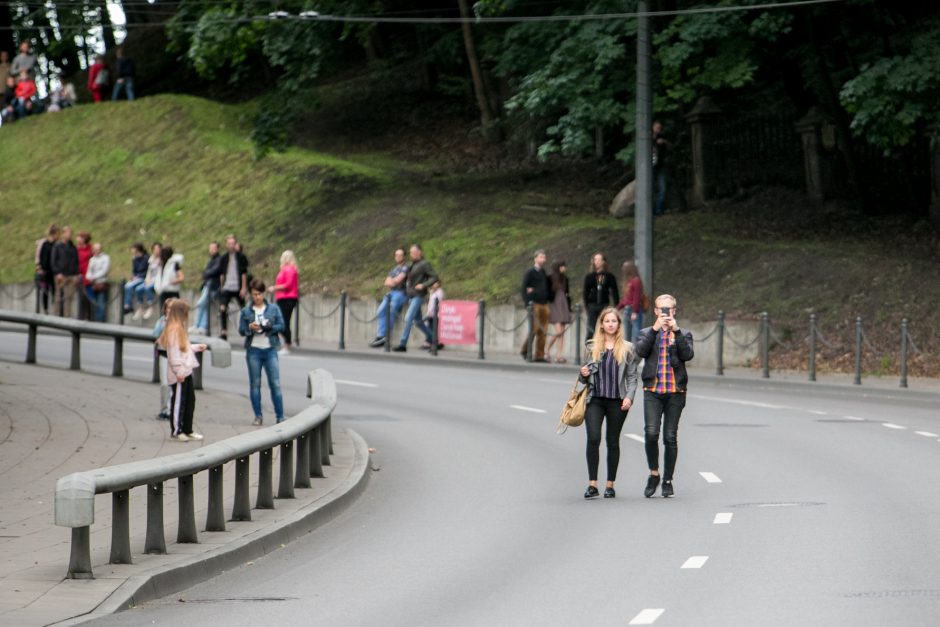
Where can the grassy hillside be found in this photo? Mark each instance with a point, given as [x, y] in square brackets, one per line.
[180, 170]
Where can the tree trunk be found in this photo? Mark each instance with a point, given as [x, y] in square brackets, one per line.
[6, 30]
[490, 132]
[107, 28]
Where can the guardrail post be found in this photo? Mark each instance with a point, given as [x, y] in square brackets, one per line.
[302, 474]
[76, 363]
[265, 480]
[31, 344]
[316, 465]
[765, 344]
[121, 310]
[285, 487]
[215, 518]
[120, 528]
[197, 372]
[388, 323]
[903, 382]
[530, 337]
[186, 526]
[155, 375]
[155, 542]
[577, 333]
[328, 425]
[812, 347]
[80, 556]
[858, 351]
[117, 368]
[241, 508]
[342, 321]
[720, 345]
[39, 298]
[434, 327]
[481, 326]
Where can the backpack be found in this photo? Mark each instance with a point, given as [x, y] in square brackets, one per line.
[102, 77]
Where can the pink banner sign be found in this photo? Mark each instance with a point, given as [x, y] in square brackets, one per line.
[457, 322]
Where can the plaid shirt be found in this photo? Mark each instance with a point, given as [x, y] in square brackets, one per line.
[665, 376]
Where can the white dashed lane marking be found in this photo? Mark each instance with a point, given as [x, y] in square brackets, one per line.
[696, 561]
[534, 410]
[724, 518]
[358, 384]
[854, 418]
[647, 616]
[927, 434]
[633, 436]
[818, 413]
[710, 477]
[891, 425]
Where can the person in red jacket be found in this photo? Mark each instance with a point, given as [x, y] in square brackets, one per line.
[98, 79]
[83, 246]
[24, 93]
[632, 298]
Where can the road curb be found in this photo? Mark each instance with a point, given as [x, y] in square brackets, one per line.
[158, 583]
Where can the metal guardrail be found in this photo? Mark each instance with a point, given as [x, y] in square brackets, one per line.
[309, 433]
[220, 350]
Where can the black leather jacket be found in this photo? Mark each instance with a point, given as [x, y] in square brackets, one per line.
[646, 346]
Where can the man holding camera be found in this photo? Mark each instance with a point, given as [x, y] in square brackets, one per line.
[666, 348]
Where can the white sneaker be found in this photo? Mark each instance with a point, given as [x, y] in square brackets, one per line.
[195, 436]
[283, 351]
[149, 313]
[181, 437]
[138, 313]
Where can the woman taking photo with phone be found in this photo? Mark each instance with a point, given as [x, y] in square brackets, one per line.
[611, 377]
[260, 323]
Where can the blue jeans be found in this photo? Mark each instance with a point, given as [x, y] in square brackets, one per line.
[202, 306]
[659, 191]
[414, 317]
[258, 359]
[632, 326]
[99, 300]
[398, 298]
[144, 294]
[127, 84]
[130, 289]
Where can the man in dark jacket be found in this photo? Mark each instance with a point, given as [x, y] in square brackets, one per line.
[666, 348]
[125, 76]
[537, 292]
[421, 276]
[45, 277]
[233, 281]
[66, 272]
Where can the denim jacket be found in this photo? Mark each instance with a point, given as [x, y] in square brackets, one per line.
[272, 313]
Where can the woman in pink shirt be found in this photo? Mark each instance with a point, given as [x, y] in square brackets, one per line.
[181, 361]
[286, 293]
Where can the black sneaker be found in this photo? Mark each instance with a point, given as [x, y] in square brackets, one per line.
[377, 342]
[651, 484]
[591, 492]
[401, 348]
[609, 493]
[667, 489]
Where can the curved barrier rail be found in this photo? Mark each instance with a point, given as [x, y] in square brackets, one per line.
[309, 433]
[220, 350]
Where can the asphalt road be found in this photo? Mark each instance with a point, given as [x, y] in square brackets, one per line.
[790, 509]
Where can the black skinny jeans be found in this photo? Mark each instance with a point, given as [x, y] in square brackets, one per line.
[286, 305]
[597, 410]
[665, 409]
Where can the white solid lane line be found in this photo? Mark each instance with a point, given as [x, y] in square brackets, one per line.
[710, 477]
[358, 384]
[927, 434]
[724, 518]
[534, 410]
[647, 616]
[696, 561]
[633, 436]
[891, 425]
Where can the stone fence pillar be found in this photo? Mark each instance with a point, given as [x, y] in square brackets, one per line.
[703, 121]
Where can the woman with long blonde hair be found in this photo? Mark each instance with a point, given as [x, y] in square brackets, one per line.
[181, 361]
[286, 293]
[611, 377]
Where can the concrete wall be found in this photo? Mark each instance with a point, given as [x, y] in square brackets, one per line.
[319, 324]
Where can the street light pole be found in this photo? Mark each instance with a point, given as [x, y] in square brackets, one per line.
[643, 217]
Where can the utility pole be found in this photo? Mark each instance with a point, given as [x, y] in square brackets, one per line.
[643, 217]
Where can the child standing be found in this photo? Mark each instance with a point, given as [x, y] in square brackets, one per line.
[181, 361]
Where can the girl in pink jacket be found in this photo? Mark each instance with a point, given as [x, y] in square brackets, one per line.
[181, 361]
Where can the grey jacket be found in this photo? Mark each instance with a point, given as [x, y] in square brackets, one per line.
[626, 375]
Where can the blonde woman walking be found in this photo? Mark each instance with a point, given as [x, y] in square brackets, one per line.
[181, 361]
[611, 377]
[286, 292]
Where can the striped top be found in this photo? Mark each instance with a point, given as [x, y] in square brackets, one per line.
[606, 384]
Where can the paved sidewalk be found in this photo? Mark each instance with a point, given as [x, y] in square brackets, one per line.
[55, 422]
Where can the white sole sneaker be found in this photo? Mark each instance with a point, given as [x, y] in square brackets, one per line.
[180, 438]
[195, 436]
